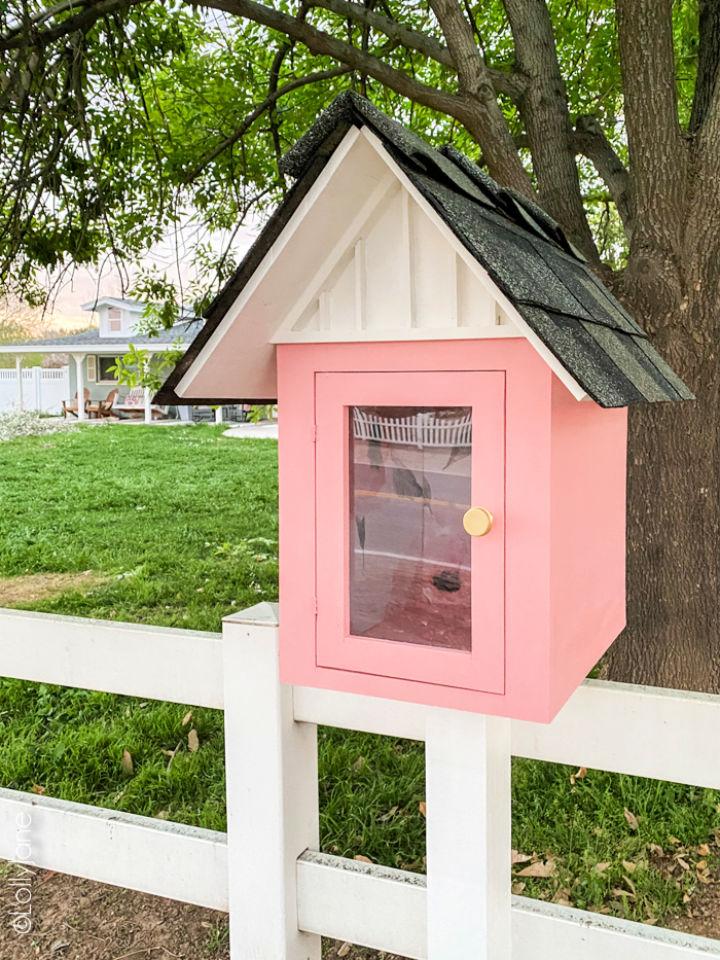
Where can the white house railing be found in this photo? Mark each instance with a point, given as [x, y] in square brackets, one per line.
[282, 895]
[419, 430]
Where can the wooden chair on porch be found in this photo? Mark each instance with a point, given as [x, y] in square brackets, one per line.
[103, 408]
[71, 406]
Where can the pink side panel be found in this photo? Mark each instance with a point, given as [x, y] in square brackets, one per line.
[527, 581]
[588, 536]
[296, 465]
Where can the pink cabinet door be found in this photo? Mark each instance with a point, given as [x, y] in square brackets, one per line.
[402, 590]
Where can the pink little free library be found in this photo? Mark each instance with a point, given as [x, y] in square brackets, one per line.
[452, 382]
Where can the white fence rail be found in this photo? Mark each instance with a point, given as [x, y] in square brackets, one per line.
[282, 895]
[419, 430]
[43, 389]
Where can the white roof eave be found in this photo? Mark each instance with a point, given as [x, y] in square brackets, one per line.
[111, 349]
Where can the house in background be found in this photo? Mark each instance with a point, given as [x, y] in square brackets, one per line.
[92, 355]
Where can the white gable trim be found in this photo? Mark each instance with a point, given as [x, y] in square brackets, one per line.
[479, 271]
[348, 239]
[509, 321]
[269, 259]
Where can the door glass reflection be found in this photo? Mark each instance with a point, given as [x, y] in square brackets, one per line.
[409, 555]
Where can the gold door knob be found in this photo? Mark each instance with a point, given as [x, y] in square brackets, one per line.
[478, 521]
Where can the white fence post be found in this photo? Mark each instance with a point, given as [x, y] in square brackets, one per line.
[37, 399]
[272, 794]
[468, 836]
[19, 382]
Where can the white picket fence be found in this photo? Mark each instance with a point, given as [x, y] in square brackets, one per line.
[43, 389]
[419, 430]
[282, 894]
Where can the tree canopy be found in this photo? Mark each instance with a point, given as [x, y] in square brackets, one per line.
[121, 117]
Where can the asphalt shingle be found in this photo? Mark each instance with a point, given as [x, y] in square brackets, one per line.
[522, 248]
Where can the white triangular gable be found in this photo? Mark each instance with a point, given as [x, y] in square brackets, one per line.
[398, 278]
[364, 257]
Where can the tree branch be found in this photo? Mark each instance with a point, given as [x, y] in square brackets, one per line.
[658, 158]
[547, 120]
[322, 44]
[29, 35]
[473, 115]
[708, 61]
[488, 126]
[591, 142]
[505, 82]
[255, 114]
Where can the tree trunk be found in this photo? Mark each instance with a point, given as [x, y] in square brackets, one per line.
[673, 629]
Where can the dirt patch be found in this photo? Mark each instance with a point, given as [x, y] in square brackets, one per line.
[75, 919]
[41, 586]
[703, 914]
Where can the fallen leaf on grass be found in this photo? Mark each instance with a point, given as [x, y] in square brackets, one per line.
[36, 788]
[517, 888]
[625, 894]
[344, 950]
[193, 741]
[631, 819]
[629, 866]
[541, 869]
[128, 767]
[187, 718]
[422, 808]
[579, 775]
[362, 859]
[601, 867]
[518, 857]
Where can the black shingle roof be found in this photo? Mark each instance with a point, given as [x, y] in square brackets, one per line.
[523, 250]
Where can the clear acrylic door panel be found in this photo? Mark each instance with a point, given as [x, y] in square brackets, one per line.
[402, 590]
[409, 486]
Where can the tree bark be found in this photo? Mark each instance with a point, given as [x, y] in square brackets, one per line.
[544, 108]
[672, 285]
[673, 632]
[485, 120]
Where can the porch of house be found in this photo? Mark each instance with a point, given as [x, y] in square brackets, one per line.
[86, 370]
[51, 390]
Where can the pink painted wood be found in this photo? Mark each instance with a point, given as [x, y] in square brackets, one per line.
[481, 668]
[563, 521]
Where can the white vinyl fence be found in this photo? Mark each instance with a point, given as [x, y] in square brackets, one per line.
[418, 430]
[281, 893]
[42, 390]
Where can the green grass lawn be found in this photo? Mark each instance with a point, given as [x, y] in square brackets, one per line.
[180, 527]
